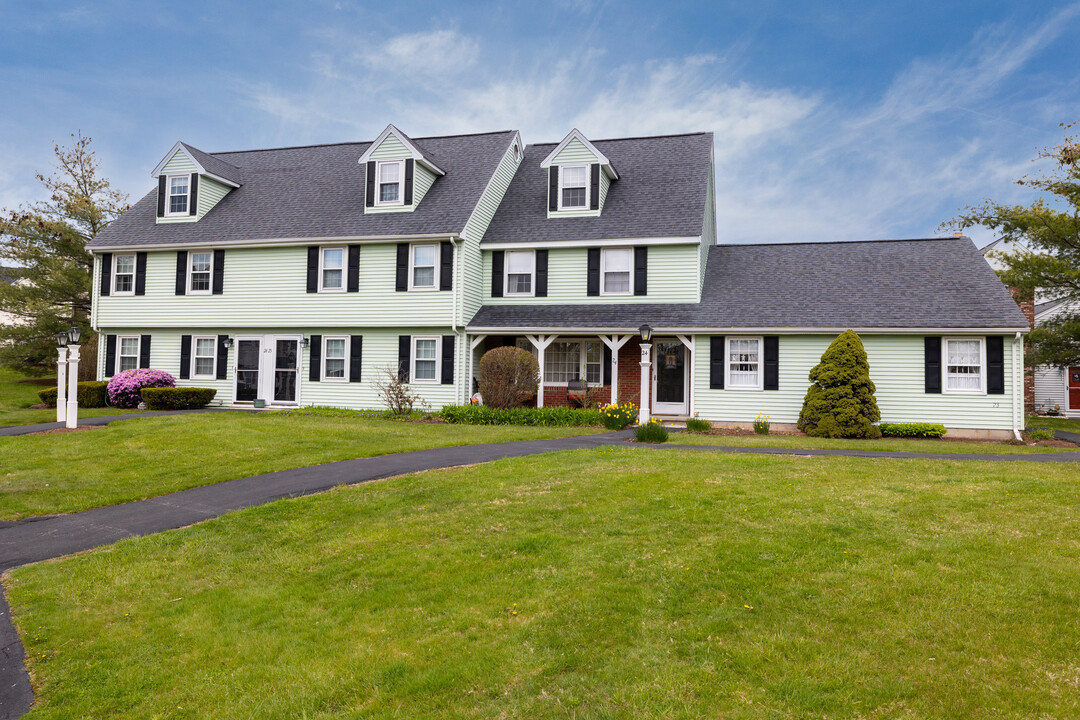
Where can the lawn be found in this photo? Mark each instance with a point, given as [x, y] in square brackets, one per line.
[146, 457]
[1055, 423]
[17, 395]
[893, 444]
[608, 583]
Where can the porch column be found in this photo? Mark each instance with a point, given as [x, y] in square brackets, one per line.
[646, 385]
[615, 342]
[473, 344]
[540, 342]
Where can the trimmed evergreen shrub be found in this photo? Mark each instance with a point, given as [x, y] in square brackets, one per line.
[840, 401]
[91, 394]
[549, 416]
[912, 430]
[177, 398]
[508, 377]
[698, 425]
[651, 432]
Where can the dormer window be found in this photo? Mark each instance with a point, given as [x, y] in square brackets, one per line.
[574, 187]
[179, 188]
[391, 174]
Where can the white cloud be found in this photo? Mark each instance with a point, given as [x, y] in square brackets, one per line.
[438, 52]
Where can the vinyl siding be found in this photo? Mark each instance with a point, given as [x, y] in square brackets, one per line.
[574, 153]
[708, 230]
[178, 164]
[568, 275]
[211, 193]
[1050, 388]
[605, 185]
[896, 367]
[391, 148]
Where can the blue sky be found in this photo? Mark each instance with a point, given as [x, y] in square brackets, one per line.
[833, 121]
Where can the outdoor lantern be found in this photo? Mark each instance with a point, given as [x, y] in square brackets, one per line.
[73, 335]
[62, 339]
[228, 343]
[646, 332]
[303, 342]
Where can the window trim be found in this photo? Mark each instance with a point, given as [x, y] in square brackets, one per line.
[212, 375]
[603, 271]
[379, 183]
[344, 267]
[562, 180]
[438, 360]
[945, 364]
[412, 268]
[322, 371]
[583, 362]
[120, 350]
[116, 275]
[760, 363]
[506, 274]
[186, 212]
[191, 273]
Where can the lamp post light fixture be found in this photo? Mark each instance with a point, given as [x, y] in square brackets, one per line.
[61, 376]
[646, 362]
[72, 419]
[228, 343]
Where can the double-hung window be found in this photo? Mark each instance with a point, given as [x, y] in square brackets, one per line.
[199, 272]
[390, 180]
[616, 271]
[965, 360]
[574, 187]
[178, 195]
[422, 272]
[425, 360]
[566, 361]
[204, 357]
[519, 272]
[127, 357]
[334, 366]
[744, 363]
[124, 275]
[331, 273]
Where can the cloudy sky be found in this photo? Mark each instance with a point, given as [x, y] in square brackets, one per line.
[851, 120]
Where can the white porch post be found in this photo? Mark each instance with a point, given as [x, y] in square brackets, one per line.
[72, 419]
[61, 384]
[646, 362]
[615, 342]
[690, 341]
[540, 342]
[473, 344]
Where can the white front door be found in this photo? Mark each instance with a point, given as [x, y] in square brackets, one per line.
[267, 368]
[671, 391]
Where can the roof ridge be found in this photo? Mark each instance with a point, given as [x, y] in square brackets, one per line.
[847, 242]
[348, 142]
[634, 137]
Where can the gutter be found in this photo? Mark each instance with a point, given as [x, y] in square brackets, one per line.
[1018, 387]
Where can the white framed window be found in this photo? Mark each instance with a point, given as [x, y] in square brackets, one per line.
[200, 268]
[616, 271]
[422, 262]
[425, 360]
[204, 356]
[332, 269]
[334, 352]
[391, 180]
[179, 194]
[573, 187]
[123, 275]
[520, 268]
[964, 365]
[127, 352]
[744, 363]
[568, 360]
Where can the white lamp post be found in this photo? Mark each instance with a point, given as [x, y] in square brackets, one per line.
[73, 378]
[61, 376]
[646, 362]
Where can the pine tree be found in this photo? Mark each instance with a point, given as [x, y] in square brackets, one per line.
[840, 401]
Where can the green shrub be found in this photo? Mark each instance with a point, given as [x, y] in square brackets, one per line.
[698, 425]
[912, 430]
[508, 376]
[548, 416]
[651, 432]
[326, 411]
[840, 401]
[179, 398]
[762, 423]
[1037, 434]
[618, 416]
[91, 394]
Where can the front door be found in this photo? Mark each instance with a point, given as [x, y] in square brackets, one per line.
[268, 368]
[248, 358]
[286, 368]
[669, 378]
[1074, 388]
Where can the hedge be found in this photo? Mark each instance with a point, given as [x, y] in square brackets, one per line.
[550, 416]
[91, 394]
[181, 398]
[912, 430]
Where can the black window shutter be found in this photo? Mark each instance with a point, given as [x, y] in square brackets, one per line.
[404, 351]
[185, 357]
[315, 358]
[140, 273]
[592, 283]
[541, 272]
[356, 357]
[370, 197]
[193, 199]
[498, 259]
[354, 268]
[594, 186]
[641, 270]
[313, 268]
[144, 351]
[932, 362]
[181, 272]
[607, 364]
[161, 196]
[446, 266]
[402, 282]
[219, 272]
[448, 359]
[106, 273]
[772, 363]
[110, 355]
[995, 365]
[553, 188]
[408, 181]
[716, 362]
[222, 357]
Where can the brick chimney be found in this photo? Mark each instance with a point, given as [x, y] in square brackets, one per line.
[1026, 301]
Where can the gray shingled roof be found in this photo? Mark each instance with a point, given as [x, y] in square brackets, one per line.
[935, 283]
[661, 192]
[318, 191]
[213, 165]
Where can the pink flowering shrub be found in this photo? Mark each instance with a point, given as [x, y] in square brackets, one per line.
[125, 389]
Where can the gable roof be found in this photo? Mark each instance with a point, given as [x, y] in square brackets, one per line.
[317, 192]
[662, 192]
[206, 164]
[897, 284]
[415, 152]
[575, 134]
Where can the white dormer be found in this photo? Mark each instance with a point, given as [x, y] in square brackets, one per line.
[579, 176]
[191, 183]
[397, 173]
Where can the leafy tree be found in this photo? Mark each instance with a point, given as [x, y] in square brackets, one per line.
[1043, 241]
[840, 400]
[46, 241]
[508, 376]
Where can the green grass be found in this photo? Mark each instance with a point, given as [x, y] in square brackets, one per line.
[17, 395]
[1057, 423]
[146, 457]
[893, 444]
[646, 584]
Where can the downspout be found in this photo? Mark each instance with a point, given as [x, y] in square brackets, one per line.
[1018, 389]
